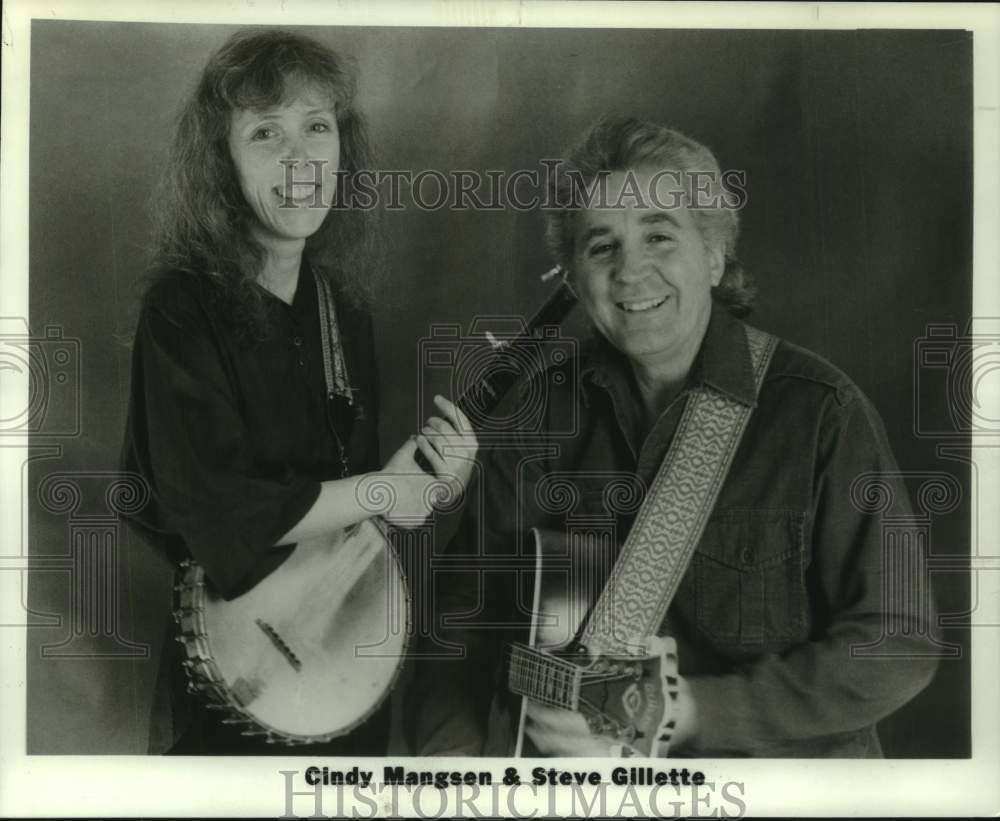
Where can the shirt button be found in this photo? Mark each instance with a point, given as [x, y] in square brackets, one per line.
[748, 555]
[298, 341]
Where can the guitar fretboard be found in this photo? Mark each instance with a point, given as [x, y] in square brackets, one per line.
[544, 678]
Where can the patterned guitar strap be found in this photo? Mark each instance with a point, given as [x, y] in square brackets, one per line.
[670, 524]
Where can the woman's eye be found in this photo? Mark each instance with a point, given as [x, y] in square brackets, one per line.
[263, 134]
[320, 128]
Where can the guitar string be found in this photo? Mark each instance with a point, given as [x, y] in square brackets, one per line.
[536, 676]
[519, 658]
[584, 675]
[557, 690]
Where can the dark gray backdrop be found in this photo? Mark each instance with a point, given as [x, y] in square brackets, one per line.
[858, 152]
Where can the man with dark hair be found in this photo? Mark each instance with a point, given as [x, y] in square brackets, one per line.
[782, 580]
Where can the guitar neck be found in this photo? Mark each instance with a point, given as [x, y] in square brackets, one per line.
[544, 677]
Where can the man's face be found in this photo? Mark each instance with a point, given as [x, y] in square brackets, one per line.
[644, 275]
[286, 158]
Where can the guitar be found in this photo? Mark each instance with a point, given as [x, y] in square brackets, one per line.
[629, 699]
[314, 648]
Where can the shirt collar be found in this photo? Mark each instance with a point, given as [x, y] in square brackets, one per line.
[723, 362]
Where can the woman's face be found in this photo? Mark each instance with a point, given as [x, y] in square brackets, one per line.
[286, 158]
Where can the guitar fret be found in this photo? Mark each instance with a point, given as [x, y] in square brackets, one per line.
[543, 678]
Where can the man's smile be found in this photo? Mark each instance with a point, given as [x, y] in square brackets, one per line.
[635, 306]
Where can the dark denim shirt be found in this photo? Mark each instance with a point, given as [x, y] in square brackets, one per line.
[786, 578]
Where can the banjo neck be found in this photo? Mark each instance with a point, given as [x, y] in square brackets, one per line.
[482, 396]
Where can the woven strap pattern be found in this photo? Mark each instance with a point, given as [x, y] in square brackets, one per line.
[672, 518]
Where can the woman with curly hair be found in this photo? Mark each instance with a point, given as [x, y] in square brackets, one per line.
[254, 402]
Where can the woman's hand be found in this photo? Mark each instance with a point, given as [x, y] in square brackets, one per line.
[449, 445]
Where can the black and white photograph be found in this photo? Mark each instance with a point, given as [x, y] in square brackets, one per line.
[418, 409]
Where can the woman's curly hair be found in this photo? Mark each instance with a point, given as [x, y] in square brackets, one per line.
[203, 221]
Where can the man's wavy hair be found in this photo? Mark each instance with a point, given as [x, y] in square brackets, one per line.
[203, 221]
[628, 143]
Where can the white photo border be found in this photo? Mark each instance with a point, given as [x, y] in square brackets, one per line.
[82, 786]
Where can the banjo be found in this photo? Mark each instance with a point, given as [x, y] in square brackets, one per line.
[314, 648]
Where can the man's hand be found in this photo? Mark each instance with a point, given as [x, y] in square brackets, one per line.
[558, 732]
[449, 445]
[686, 720]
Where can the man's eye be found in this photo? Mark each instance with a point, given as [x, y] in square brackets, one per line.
[603, 249]
[661, 238]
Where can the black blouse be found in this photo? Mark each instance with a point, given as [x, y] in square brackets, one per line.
[235, 436]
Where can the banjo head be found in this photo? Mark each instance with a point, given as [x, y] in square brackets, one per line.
[310, 652]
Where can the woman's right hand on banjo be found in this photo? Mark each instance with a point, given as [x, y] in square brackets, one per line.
[449, 445]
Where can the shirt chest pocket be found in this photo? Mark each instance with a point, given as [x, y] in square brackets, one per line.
[749, 587]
